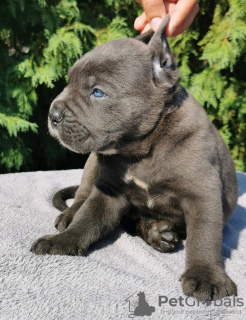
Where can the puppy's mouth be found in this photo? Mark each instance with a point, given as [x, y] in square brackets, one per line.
[70, 135]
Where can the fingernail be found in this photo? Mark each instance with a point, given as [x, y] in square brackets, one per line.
[154, 23]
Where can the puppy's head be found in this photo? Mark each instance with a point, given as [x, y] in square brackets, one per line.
[116, 94]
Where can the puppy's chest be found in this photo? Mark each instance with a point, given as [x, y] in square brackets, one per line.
[147, 186]
[139, 190]
[149, 192]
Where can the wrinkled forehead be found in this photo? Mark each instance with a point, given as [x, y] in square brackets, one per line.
[124, 57]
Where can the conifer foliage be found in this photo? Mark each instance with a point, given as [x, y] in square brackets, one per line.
[41, 39]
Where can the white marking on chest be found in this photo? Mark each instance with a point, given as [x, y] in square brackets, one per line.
[140, 183]
[150, 203]
[108, 151]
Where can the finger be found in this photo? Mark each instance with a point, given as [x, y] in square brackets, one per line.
[184, 7]
[146, 28]
[140, 22]
[182, 17]
[178, 28]
[155, 12]
[170, 6]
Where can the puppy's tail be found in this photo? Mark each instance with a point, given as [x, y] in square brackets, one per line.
[59, 199]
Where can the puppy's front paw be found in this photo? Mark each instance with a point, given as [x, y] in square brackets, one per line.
[207, 283]
[63, 220]
[60, 244]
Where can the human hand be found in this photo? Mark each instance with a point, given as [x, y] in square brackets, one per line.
[182, 13]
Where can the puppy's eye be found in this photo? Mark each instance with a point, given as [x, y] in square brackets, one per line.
[98, 93]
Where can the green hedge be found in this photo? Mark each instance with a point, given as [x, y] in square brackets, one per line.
[40, 40]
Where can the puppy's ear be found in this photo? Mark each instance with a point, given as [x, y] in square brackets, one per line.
[161, 54]
[145, 37]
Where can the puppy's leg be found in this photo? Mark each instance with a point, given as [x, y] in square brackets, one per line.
[99, 215]
[204, 276]
[88, 181]
[158, 234]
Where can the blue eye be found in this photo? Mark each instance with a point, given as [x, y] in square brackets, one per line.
[98, 93]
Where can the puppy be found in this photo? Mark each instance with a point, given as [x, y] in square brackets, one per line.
[155, 157]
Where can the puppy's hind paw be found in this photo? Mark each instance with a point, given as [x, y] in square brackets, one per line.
[161, 237]
[158, 234]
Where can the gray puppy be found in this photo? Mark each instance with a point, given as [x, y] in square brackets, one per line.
[155, 157]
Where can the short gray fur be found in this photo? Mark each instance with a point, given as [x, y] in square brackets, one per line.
[155, 157]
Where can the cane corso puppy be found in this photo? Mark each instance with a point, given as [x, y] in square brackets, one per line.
[155, 157]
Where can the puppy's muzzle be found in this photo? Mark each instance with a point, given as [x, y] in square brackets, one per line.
[56, 114]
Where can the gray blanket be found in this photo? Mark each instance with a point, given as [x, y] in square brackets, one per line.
[121, 277]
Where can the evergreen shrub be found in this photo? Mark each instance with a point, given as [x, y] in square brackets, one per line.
[41, 39]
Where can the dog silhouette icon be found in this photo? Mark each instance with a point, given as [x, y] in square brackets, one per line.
[143, 308]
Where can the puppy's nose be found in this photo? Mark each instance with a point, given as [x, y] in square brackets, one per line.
[56, 114]
[56, 118]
